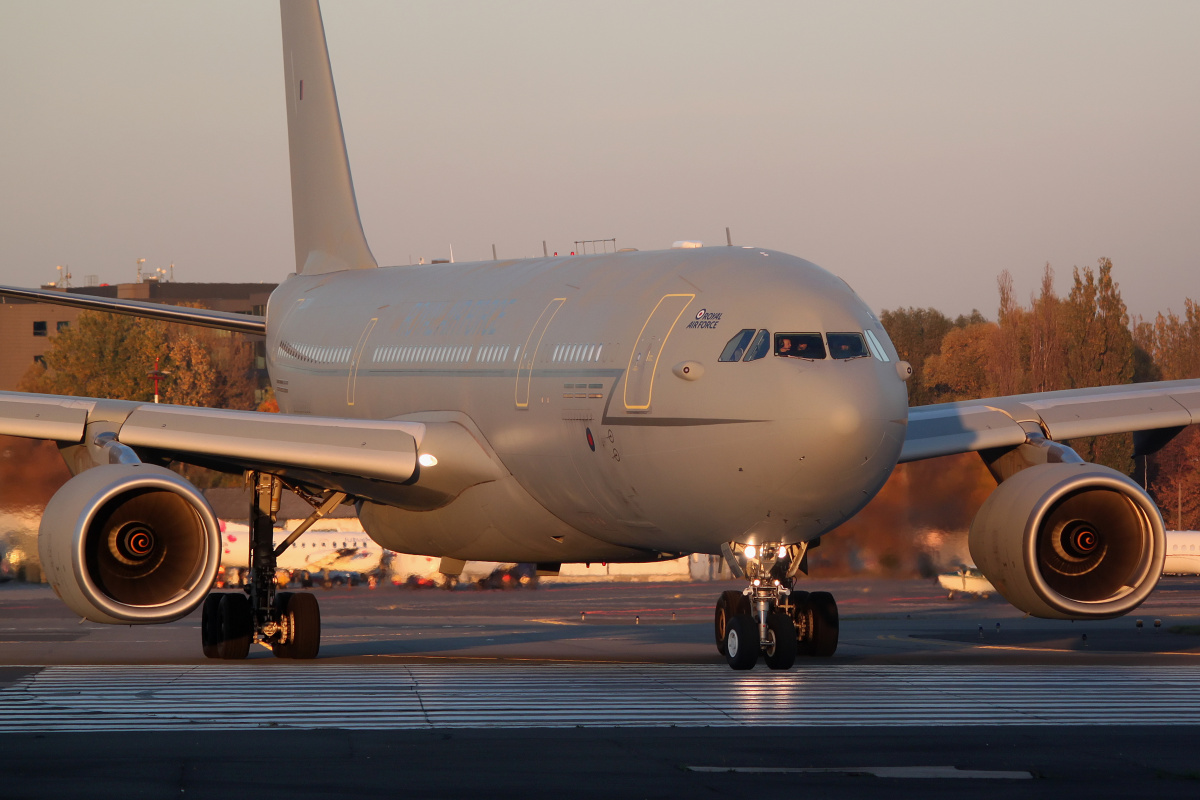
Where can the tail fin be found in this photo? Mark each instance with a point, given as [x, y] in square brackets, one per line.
[328, 231]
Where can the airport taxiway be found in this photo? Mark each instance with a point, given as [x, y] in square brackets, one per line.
[883, 622]
[610, 690]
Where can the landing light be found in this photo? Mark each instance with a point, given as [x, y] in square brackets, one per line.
[427, 460]
[782, 551]
[751, 551]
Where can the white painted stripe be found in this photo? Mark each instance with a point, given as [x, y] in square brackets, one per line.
[269, 694]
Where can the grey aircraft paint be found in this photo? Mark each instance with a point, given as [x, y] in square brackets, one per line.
[538, 353]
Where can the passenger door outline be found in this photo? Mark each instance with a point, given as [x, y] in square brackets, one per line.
[352, 378]
[644, 357]
[529, 352]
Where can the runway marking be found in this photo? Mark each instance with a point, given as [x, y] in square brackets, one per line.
[1083, 645]
[269, 694]
[882, 772]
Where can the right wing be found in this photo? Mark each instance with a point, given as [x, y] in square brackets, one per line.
[1152, 411]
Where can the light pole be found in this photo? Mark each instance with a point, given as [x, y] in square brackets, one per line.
[157, 374]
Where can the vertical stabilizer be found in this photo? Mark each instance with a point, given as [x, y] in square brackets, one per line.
[328, 231]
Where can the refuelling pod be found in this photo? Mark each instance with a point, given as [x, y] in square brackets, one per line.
[1070, 541]
[130, 544]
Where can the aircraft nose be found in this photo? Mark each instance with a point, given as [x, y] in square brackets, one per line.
[864, 413]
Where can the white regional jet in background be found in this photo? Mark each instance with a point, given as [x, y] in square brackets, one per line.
[1183, 553]
[622, 407]
[315, 551]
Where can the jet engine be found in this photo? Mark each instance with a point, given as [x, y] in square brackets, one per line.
[130, 543]
[1070, 541]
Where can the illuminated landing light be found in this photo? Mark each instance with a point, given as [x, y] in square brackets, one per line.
[782, 552]
[751, 551]
[427, 460]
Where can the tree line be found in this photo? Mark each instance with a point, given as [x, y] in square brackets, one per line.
[112, 356]
[1085, 338]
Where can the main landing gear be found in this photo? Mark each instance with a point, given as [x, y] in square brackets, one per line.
[289, 623]
[769, 618]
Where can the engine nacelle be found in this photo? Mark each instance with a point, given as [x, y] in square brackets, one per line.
[130, 544]
[1070, 541]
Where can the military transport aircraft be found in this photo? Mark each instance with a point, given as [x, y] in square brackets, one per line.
[628, 406]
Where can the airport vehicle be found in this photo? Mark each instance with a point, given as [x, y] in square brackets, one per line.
[628, 406]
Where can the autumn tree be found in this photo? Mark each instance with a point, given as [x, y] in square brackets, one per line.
[1046, 361]
[962, 369]
[110, 355]
[1173, 343]
[917, 334]
[1098, 351]
[1010, 345]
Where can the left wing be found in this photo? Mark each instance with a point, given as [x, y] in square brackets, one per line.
[368, 459]
[383, 450]
[1153, 412]
[203, 317]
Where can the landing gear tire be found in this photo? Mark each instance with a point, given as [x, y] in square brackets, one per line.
[824, 624]
[302, 613]
[729, 604]
[802, 618]
[236, 626]
[781, 632]
[284, 649]
[741, 642]
[210, 625]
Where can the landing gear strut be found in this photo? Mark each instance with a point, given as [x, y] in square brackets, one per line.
[769, 618]
[290, 624]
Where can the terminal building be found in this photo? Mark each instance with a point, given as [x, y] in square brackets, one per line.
[27, 328]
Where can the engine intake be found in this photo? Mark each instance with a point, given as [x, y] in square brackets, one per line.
[130, 544]
[1070, 541]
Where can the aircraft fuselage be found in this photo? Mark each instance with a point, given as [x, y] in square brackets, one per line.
[595, 380]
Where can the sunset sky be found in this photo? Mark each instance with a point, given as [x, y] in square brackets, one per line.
[915, 149]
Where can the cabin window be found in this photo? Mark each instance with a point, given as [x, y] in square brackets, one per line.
[736, 348]
[800, 345]
[847, 345]
[760, 347]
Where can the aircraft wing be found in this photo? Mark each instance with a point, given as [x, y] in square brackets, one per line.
[1152, 411]
[204, 317]
[379, 450]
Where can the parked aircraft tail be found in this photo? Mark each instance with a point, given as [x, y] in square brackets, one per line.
[328, 231]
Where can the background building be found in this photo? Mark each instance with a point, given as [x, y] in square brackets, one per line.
[27, 328]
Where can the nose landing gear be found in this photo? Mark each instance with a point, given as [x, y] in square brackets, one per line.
[769, 618]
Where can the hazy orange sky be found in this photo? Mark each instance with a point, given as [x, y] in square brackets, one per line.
[916, 149]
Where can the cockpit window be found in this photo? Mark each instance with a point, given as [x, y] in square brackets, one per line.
[876, 347]
[847, 345]
[800, 345]
[760, 347]
[737, 345]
